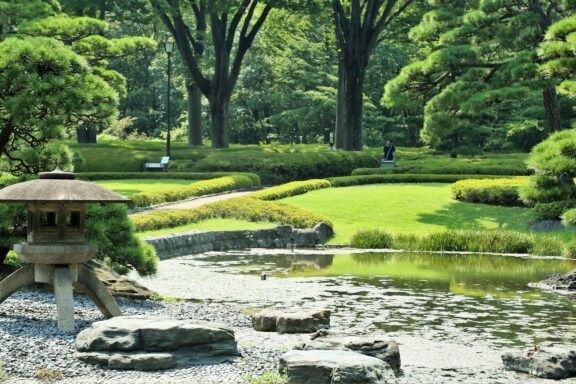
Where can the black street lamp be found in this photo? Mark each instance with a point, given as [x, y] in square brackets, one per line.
[169, 48]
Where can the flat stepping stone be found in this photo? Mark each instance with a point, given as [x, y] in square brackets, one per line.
[291, 321]
[379, 347]
[335, 367]
[547, 361]
[153, 343]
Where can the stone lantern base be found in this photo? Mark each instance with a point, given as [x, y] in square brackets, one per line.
[62, 269]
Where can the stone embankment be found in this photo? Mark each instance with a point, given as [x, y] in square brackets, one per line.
[195, 242]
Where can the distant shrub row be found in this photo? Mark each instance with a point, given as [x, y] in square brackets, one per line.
[200, 188]
[244, 208]
[290, 189]
[447, 168]
[161, 175]
[276, 168]
[464, 241]
[400, 178]
[490, 191]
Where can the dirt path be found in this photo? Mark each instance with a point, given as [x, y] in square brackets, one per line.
[197, 202]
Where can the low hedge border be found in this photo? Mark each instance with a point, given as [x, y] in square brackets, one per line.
[463, 241]
[490, 191]
[90, 176]
[445, 169]
[206, 187]
[290, 189]
[347, 181]
[244, 208]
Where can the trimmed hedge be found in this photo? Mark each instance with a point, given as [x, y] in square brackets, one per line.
[244, 208]
[227, 183]
[347, 181]
[91, 176]
[430, 166]
[462, 241]
[490, 191]
[290, 189]
[282, 167]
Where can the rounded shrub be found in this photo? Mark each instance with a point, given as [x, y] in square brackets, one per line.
[554, 165]
[570, 250]
[489, 191]
[569, 218]
[372, 238]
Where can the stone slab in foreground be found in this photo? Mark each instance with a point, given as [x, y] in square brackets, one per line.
[335, 367]
[376, 346]
[547, 361]
[291, 320]
[152, 343]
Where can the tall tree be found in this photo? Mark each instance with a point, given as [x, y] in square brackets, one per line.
[227, 20]
[233, 27]
[478, 70]
[359, 26]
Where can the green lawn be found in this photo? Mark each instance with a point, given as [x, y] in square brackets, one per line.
[128, 187]
[212, 225]
[405, 208]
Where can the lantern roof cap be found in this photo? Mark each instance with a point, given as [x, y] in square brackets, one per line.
[59, 186]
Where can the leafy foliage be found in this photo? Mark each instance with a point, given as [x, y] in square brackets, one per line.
[478, 73]
[44, 90]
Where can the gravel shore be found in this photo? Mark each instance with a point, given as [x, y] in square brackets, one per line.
[31, 344]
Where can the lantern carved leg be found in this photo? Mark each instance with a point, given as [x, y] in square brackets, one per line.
[64, 298]
[97, 292]
[18, 279]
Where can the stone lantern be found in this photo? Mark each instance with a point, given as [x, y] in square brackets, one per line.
[56, 247]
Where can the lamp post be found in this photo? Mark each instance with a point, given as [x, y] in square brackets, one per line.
[169, 48]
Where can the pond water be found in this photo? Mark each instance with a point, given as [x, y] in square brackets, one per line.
[477, 298]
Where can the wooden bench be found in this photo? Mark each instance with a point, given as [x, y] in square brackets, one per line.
[162, 165]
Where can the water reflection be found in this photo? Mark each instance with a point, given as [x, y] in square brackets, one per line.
[469, 297]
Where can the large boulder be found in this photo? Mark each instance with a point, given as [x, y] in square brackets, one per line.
[150, 343]
[547, 225]
[335, 367]
[376, 346]
[117, 284]
[291, 321]
[547, 361]
[566, 282]
[324, 232]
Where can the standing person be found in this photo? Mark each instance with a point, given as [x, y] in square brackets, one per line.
[389, 151]
[331, 141]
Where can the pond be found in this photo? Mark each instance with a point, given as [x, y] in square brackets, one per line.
[474, 298]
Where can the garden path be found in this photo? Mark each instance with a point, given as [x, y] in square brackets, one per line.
[199, 201]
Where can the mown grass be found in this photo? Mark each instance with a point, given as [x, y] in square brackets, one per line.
[406, 208]
[130, 187]
[212, 225]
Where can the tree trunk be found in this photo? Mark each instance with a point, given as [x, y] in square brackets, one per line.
[353, 105]
[219, 114]
[194, 114]
[86, 135]
[552, 109]
[340, 108]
